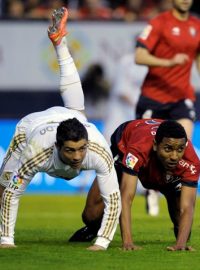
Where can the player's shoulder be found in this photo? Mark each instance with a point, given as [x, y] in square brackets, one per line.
[97, 142]
[190, 154]
[94, 134]
[194, 19]
[142, 125]
[161, 17]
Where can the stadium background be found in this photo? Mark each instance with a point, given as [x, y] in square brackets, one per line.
[29, 78]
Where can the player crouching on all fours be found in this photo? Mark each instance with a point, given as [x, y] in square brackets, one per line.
[62, 143]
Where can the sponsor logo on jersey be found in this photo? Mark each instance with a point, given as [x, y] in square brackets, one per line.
[176, 31]
[145, 33]
[191, 167]
[131, 160]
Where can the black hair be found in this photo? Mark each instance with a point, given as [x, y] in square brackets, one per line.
[70, 130]
[170, 129]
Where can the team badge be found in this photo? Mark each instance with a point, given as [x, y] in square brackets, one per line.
[131, 160]
[145, 33]
[192, 31]
[6, 176]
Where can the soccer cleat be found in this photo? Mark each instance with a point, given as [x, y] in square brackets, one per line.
[58, 28]
[85, 234]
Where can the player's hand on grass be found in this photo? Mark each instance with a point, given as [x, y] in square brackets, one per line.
[7, 246]
[130, 246]
[95, 248]
[176, 248]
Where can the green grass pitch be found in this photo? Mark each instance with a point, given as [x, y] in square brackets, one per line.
[45, 222]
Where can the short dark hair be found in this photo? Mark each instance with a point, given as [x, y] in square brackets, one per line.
[170, 129]
[70, 130]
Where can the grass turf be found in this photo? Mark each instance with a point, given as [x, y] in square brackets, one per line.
[46, 222]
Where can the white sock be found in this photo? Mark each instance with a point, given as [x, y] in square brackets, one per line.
[70, 85]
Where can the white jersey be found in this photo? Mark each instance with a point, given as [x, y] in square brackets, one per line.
[33, 150]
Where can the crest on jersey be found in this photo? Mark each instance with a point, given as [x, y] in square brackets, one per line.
[192, 31]
[145, 33]
[131, 160]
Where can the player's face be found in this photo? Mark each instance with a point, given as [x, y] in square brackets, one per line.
[72, 153]
[182, 6]
[170, 151]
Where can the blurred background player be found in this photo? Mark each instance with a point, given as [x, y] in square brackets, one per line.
[61, 142]
[168, 45]
[124, 94]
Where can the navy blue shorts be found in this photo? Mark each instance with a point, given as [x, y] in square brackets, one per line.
[149, 108]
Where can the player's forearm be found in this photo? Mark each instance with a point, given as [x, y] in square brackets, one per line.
[110, 219]
[125, 222]
[185, 225]
[143, 57]
[9, 209]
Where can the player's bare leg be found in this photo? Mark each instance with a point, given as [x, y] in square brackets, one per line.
[91, 216]
[70, 85]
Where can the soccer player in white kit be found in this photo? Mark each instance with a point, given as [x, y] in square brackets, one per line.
[61, 142]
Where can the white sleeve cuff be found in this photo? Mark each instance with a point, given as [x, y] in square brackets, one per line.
[7, 240]
[103, 242]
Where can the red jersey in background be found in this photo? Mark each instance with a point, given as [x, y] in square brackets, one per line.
[164, 37]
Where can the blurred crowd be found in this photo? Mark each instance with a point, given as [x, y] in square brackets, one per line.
[125, 10]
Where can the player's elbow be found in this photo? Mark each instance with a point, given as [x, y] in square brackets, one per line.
[187, 209]
[127, 199]
[140, 56]
[137, 58]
